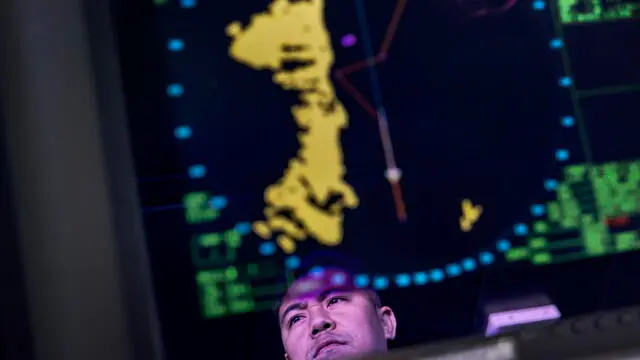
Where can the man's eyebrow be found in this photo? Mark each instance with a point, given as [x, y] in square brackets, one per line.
[325, 294]
[290, 308]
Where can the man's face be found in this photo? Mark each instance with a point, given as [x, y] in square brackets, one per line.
[333, 323]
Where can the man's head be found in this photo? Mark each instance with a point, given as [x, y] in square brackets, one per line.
[323, 316]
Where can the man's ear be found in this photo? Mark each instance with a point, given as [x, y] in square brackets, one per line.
[388, 320]
[286, 356]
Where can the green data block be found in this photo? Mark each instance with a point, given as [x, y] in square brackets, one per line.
[537, 243]
[213, 250]
[540, 227]
[517, 254]
[595, 11]
[541, 258]
[594, 235]
[594, 205]
[197, 208]
[627, 241]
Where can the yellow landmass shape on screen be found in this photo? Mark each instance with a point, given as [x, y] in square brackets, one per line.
[310, 198]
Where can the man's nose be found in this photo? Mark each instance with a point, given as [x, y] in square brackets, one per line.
[320, 322]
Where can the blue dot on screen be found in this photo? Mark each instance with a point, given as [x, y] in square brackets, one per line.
[267, 248]
[316, 271]
[292, 262]
[503, 245]
[361, 281]
[565, 81]
[436, 275]
[338, 279]
[556, 43]
[537, 210]
[568, 121]
[243, 228]
[175, 90]
[486, 258]
[380, 283]
[218, 202]
[469, 264]
[175, 45]
[182, 132]
[420, 278]
[539, 5]
[453, 270]
[562, 155]
[403, 280]
[550, 184]
[197, 171]
[188, 4]
[520, 229]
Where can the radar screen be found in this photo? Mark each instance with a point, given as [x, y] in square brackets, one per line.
[276, 131]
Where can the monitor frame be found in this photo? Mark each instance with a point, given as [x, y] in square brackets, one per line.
[87, 274]
[15, 337]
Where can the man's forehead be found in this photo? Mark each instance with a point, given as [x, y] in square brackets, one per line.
[317, 284]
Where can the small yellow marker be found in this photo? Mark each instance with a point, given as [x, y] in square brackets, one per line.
[470, 215]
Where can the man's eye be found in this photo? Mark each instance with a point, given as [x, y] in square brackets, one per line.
[293, 320]
[336, 299]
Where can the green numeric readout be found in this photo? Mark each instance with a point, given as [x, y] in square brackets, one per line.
[594, 11]
[595, 214]
[238, 289]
